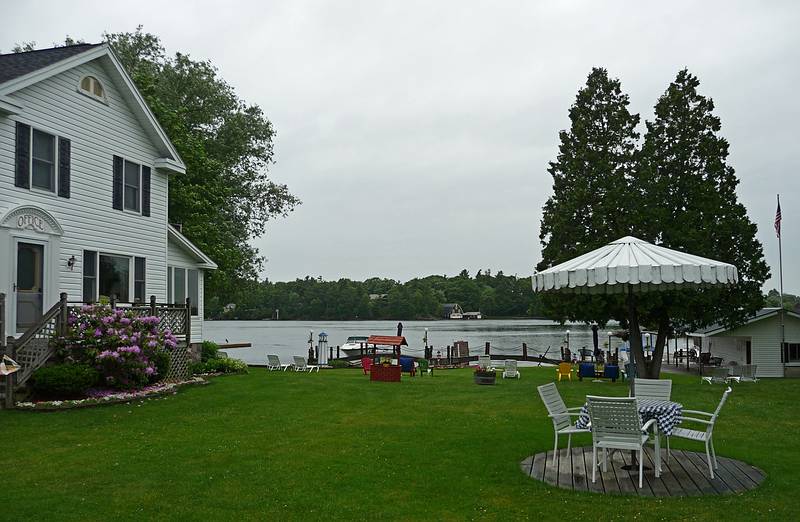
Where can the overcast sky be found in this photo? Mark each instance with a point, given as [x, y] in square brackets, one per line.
[418, 134]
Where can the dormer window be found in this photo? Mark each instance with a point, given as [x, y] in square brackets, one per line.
[91, 86]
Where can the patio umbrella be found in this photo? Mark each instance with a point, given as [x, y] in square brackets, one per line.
[632, 266]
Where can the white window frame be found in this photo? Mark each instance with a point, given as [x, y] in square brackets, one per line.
[55, 137]
[90, 93]
[125, 161]
[171, 285]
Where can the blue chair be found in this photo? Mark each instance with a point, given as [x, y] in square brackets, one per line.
[585, 369]
[407, 363]
[611, 371]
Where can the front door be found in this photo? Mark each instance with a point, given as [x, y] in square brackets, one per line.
[29, 285]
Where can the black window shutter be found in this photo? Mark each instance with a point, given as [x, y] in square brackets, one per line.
[118, 187]
[23, 160]
[64, 153]
[145, 191]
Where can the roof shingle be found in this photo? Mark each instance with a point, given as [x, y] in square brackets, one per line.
[14, 65]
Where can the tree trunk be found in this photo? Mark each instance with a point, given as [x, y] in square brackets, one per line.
[653, 369]
[634, 337]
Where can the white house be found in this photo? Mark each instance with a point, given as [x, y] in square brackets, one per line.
[758, 342]
[84, 171]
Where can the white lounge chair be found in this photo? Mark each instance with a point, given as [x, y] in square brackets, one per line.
[274, 363]
[300, 365]
[718, 376]
[658, 389]
[702, 436]
[616, 425]
[748, 373]
[560, 415]
[510, 370]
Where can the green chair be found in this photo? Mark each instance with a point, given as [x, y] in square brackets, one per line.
[424, 367]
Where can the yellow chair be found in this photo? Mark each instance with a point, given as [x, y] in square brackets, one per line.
[564, 370]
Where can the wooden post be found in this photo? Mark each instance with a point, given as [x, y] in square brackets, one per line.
[153, 305]
[524, 351]
[188, 322]
[337, 352]
[331, 353]
[449, 356]
[488, 349]
[2, 323]
[62, 315]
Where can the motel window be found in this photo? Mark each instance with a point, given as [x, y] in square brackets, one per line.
[114, 277]
[179, 288]
[132, 193]
[791, 352]
[91, 86]
[138, 279]
[89, 276]
[43, 161]
[183, 283]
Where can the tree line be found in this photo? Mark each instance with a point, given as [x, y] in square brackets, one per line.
[494, 295]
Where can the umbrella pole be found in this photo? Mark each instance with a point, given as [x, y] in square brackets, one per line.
[634, 340]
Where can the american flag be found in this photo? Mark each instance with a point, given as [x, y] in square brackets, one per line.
[778, 219]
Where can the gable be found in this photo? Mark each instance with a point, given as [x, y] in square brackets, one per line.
[102, 58]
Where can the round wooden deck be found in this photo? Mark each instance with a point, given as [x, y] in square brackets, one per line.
[686, 474]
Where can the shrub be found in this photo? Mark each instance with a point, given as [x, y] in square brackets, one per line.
[64, 381]
[221, 365]
[339, 363]
[126, 349]
[208, 350]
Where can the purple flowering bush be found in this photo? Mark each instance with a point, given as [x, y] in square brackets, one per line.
[128, 351]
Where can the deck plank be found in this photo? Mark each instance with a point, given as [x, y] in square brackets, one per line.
[564, 469]
[579, 478]
[598, 486]
[669, 479]
[695, 474]
[537, 471]
[686, 473]
[645, 490]
[702, 465]
[656, 483]
[551, 469]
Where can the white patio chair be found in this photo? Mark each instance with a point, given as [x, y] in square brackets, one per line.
[274, 363]
[702, 436]
[484, 361]
[718, 376]
[510, 370]
[560, 415]
[658, 389]
[616, 425]
[300, 365]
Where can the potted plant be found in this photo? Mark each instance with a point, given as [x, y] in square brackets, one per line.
[484, 376]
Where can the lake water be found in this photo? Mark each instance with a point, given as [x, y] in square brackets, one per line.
[288, 338]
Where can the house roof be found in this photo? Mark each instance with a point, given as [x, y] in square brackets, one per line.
[20, 70]
[764, 313]
[203, 260]
[14, 65]
[387, 340]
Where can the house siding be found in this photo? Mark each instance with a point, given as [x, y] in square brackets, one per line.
[765, 342]
[178, 257]
[97, 131]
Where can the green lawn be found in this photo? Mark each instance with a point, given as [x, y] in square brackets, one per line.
[333, 445]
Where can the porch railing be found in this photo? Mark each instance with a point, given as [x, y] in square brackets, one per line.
[34, 347]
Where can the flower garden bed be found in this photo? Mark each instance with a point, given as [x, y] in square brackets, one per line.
[104, 397]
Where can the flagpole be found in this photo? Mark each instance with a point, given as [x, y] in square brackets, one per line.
[780, 273]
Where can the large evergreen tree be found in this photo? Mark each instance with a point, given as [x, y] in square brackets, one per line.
[689, 203]
[591, 203]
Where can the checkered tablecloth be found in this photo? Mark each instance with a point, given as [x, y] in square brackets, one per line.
[666, 413]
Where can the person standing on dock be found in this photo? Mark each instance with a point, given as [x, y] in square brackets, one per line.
[399, 329]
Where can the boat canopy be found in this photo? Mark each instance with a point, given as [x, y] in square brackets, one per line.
[387, 340]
